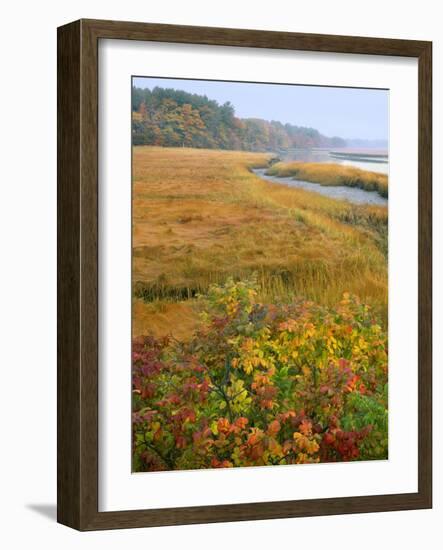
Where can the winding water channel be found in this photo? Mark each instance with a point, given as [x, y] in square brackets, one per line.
[351, 194]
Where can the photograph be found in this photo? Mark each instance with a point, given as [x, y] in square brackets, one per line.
[259, 274]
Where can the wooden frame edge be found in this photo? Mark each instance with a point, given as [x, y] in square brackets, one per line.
[68, 276]
[77, 319]
[425, 272]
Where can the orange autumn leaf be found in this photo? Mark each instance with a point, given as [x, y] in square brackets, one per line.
[223, 425]
[306, 427]
[273, 428]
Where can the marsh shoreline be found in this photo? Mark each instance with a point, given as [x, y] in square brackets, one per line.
[354, 195]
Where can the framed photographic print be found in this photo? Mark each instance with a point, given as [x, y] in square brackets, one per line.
[244, 275]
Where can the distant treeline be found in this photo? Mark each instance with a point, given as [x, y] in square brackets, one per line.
[173, 118]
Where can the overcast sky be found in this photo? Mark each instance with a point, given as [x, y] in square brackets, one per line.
[345, 112]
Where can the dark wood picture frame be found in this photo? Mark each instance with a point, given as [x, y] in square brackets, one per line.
[77, 480]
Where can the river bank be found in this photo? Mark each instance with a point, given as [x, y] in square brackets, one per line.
[340, 192]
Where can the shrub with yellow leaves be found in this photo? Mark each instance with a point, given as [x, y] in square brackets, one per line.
[259, 385]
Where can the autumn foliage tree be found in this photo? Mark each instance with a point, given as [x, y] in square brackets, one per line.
[174, 118]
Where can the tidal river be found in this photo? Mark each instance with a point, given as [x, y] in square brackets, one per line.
[374, 160]
[351, 194]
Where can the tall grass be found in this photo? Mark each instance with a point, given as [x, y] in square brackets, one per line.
[201, 216]
[332, 174]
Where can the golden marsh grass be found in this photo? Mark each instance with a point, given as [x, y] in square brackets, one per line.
[332, 174]
[200, 216]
